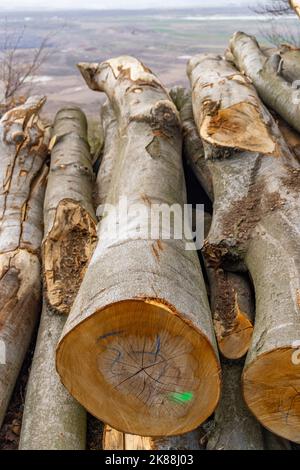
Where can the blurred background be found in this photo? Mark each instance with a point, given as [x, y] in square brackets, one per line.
[41, 40]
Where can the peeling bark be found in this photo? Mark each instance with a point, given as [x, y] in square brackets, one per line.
[115, 440]
[22, 179]
[288, 58]
[256, 223]
[70, 220]
[234, 427]
[140, 330]
[273, 89]
[230, 294]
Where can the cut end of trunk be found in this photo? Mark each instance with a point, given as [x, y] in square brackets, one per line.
[240, 126]
[66, 252]
[236, 342]
[272, 391]
[138, 366]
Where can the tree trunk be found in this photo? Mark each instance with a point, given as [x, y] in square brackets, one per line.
[273, 89]
[234, 427]
[70, 188]
[23, 178]
[52, 419]
[115, 440]
[146, 342]
[193, 150]
[70, 221]
[230, 293]
[256, 222]
[289, 60]
[109, 154]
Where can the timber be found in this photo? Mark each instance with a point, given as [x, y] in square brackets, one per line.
[273, 89]
[70, 187]
[230, 293]
[255, 225]
[52, 419]
[115, 440]
[70, 222]
[138, 349]
[23, 174]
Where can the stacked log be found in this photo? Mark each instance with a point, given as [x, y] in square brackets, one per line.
[23, 172]
[139, 341]
[69, 237]
[255, 224]
[230, 293]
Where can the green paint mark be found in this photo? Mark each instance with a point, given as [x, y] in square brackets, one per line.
[182, 397]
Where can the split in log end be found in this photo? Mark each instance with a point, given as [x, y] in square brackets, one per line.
[272, 391]
[142, 355]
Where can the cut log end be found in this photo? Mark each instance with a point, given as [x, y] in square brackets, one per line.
[272, 392]
[239, 126]
[236, 342]
[142, 354]
[66, 254]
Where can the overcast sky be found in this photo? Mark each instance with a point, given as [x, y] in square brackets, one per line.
[107, 4]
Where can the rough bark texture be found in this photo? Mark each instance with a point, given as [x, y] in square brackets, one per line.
[23, 173]
[138, 348]
[230, 293]
[288, 58]
[273, 89]
[234, 428]
[70, 220]
[115, 440]
[256, 223]
[52, 419]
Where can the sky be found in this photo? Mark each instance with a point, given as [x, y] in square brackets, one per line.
[109, 4]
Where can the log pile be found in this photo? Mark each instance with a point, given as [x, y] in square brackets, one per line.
[168, 347]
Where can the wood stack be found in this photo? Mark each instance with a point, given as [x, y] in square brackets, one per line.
[131, 325]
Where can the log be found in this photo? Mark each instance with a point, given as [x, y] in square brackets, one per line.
[273, 442]
[140, 330]
[109, 154]
[256, 224]
[272, 88]
[234, 427]
[70, 222]
[230, 293]
[47, 401]
[115, 440]
[193, 150]
[52, 419]
[289, 60]
[23, 145]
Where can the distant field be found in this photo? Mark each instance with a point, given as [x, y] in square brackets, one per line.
[164, 40]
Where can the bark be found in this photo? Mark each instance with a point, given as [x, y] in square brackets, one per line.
[234, 427]
[52, 419]
[291, 137]
[289, 60]
[273, 89]
[115, 440]
[23, 173]
[256, 222]
[110, 152]
[140, 329]
[230, 293]
[70, 220]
